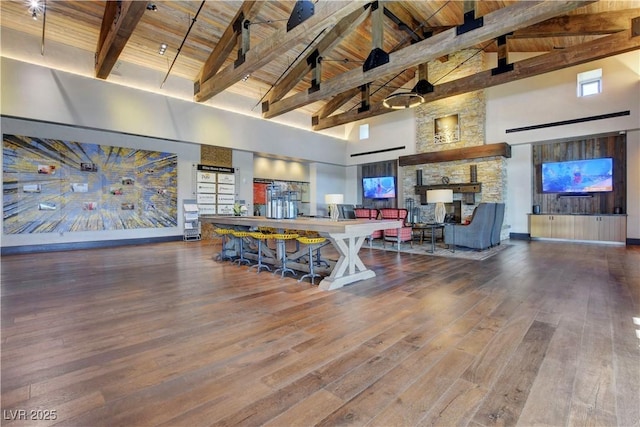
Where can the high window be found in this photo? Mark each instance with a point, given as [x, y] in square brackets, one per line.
[590, 82]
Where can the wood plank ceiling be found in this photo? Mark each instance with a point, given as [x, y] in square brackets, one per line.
[278, 68]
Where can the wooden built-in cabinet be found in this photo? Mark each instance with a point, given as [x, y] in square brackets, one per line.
[551, 226]
[608, 228]
[603, 228]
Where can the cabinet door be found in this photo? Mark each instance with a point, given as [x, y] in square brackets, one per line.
[562, 226]
[539, 225]
[612, 228]
[586, 228]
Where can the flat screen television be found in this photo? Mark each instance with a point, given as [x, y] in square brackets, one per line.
[381, 187]
[578, 176]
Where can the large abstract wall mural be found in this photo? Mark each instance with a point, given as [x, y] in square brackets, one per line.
[55, 186]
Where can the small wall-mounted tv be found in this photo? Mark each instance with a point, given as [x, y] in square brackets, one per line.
[381, 187]
[578, 176]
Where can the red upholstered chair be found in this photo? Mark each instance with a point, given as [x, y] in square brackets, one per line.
[399, 235]
[366, 213]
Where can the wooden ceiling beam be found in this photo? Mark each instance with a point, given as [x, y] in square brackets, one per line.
[603, 47]
[580, 25]
[496, 23]
[118, 22]
[227, 42]
[334, 103]
[327, 14]
[328, 42]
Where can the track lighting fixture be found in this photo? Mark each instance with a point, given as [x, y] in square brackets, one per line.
[35, 7]
[162, 49]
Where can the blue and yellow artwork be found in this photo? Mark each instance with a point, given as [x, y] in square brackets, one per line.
[52, 186]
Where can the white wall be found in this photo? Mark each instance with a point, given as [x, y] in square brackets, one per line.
[243, 164]
[328, 179]
[387, 131]
[552, 97]
[31, 91]
[519, 188]
[633, 184]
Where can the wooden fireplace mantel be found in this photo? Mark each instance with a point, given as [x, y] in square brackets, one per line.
[489, 150]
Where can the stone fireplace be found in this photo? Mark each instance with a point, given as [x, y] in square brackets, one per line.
[470, 134]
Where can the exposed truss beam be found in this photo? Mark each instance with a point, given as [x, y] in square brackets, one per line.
[502, 21]
[335, 103]
[580, 25]
[603, 47]
[118, 22]
[327, 14]
[228, 40]
[328, 42]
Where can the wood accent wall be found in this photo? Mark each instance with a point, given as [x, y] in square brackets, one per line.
[387, 168]
[614, 146]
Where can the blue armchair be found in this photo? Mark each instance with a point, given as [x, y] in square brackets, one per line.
[497, 224]
[477, 234]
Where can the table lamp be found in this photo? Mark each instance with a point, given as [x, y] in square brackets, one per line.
[440, 197]
[332, 201]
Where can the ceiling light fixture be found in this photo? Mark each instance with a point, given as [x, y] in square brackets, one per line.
[152, 7]
[162, 49]
[402, 100]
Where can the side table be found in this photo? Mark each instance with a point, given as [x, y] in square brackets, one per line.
[433, 227]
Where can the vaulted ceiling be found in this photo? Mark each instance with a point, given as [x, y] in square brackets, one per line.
[335, 61]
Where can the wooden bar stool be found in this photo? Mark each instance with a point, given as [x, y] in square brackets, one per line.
[240, 235]
[223, 233]
[281, 240]
[260, 237]
[312, 243]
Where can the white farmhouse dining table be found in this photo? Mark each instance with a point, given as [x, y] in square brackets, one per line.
[347, 236]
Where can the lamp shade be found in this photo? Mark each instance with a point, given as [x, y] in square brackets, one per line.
[334, 199]
[439, 196]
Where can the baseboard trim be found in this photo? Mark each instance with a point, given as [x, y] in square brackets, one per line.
[634, 242]
[57, 247]
[519, 236]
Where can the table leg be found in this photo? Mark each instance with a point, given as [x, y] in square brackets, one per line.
[349, 267]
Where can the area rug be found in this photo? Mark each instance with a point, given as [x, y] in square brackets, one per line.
[460, 252]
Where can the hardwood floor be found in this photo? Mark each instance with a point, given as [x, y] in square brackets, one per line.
[540, 334]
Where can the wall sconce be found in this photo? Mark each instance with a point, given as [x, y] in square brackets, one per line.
[332, 201]
[440, 197]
